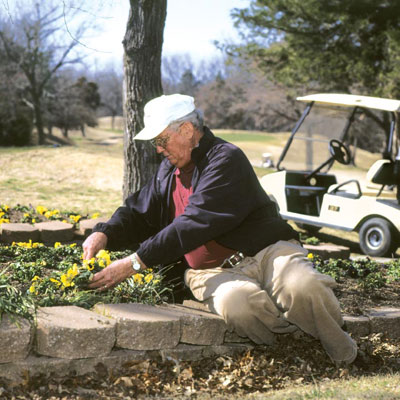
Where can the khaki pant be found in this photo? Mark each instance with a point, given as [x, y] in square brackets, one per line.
[276, 291]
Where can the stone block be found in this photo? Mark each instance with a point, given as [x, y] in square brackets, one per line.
[55, 231]
[328, 250]
[197, 305]
[198, 327]
[187, 352]
[385, 320]
[86, 225]
[141, 326]
[72, 332]
[15, 338]
[233, 337]
[43, 366]
[357, 325]
[19, 233]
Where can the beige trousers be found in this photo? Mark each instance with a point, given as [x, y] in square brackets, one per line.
[276, 291]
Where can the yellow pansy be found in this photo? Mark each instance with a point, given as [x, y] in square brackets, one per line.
[138, 278]
[2, 213]
[58, 283]
[57, 245]
[148, 278]
[41, 210]
[310, 256]
[72, 245]
[104, 255]
[75, 218]
[95, 215]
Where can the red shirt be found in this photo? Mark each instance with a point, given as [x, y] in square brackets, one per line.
[211, 254]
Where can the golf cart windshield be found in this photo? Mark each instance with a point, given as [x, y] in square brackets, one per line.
[353, 125]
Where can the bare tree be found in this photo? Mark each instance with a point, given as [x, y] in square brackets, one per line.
[142, 70]
[110, 81]
[33, 41]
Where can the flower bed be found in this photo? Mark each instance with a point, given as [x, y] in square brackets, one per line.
[32, 215]
[33, 275]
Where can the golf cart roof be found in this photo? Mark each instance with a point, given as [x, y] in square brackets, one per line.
[350, 100]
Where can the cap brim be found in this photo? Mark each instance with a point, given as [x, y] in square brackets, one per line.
[149, 133]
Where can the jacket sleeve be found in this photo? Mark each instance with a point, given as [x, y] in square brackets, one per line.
[223, 197]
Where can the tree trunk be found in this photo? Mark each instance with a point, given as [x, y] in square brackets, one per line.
[142, 82]
[37, 110]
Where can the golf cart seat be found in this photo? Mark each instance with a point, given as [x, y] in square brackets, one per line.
[379, 176]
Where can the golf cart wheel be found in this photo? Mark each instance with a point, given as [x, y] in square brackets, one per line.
[376, 236]
[308, 228]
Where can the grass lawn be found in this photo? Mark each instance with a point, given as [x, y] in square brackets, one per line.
[86, 176]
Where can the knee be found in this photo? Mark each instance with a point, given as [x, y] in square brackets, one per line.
[231, 301]
[308, 282]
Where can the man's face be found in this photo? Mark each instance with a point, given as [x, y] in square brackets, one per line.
[176, 145]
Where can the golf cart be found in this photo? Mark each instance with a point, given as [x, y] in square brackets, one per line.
[313, 188]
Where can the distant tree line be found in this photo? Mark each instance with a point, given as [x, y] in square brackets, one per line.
[290, 48]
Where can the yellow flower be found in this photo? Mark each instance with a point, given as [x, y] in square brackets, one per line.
[310, 256]
[5, 207]
[33, 220]
[138, 278]
[58, 283]
[148, 278]
[57, 245]
[105, 256]
[95, 215]
[4, 221]
[72, 272]
[41, 210]
[75, 218]
[65, 221]
[35, 278]
[89, 264]
[2, 213]
[32, 289]
[72, 245]
[47, 214]
[67, 280]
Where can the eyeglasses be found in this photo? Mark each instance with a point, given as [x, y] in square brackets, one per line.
[160, 141]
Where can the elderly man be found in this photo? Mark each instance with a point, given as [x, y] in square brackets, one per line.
[206, 206]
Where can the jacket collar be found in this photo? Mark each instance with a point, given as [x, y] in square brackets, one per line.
[204, 145]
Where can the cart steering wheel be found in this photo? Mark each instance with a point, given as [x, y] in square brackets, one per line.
[339, 152]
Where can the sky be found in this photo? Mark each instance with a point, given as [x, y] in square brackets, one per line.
[191, 27]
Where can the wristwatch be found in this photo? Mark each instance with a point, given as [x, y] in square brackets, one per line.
[135, 263]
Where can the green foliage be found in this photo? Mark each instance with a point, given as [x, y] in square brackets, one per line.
[325, 44]
[368, 273]
[33, 275]
[312, 240]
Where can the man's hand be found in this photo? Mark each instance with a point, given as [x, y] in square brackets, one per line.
[114, 274]
[93, 244]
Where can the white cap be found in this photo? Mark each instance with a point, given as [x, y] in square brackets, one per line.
[161, 111]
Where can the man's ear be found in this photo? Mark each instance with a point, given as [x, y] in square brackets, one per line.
[187, 129]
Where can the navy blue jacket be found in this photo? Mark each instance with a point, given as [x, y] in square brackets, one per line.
[228, 205]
